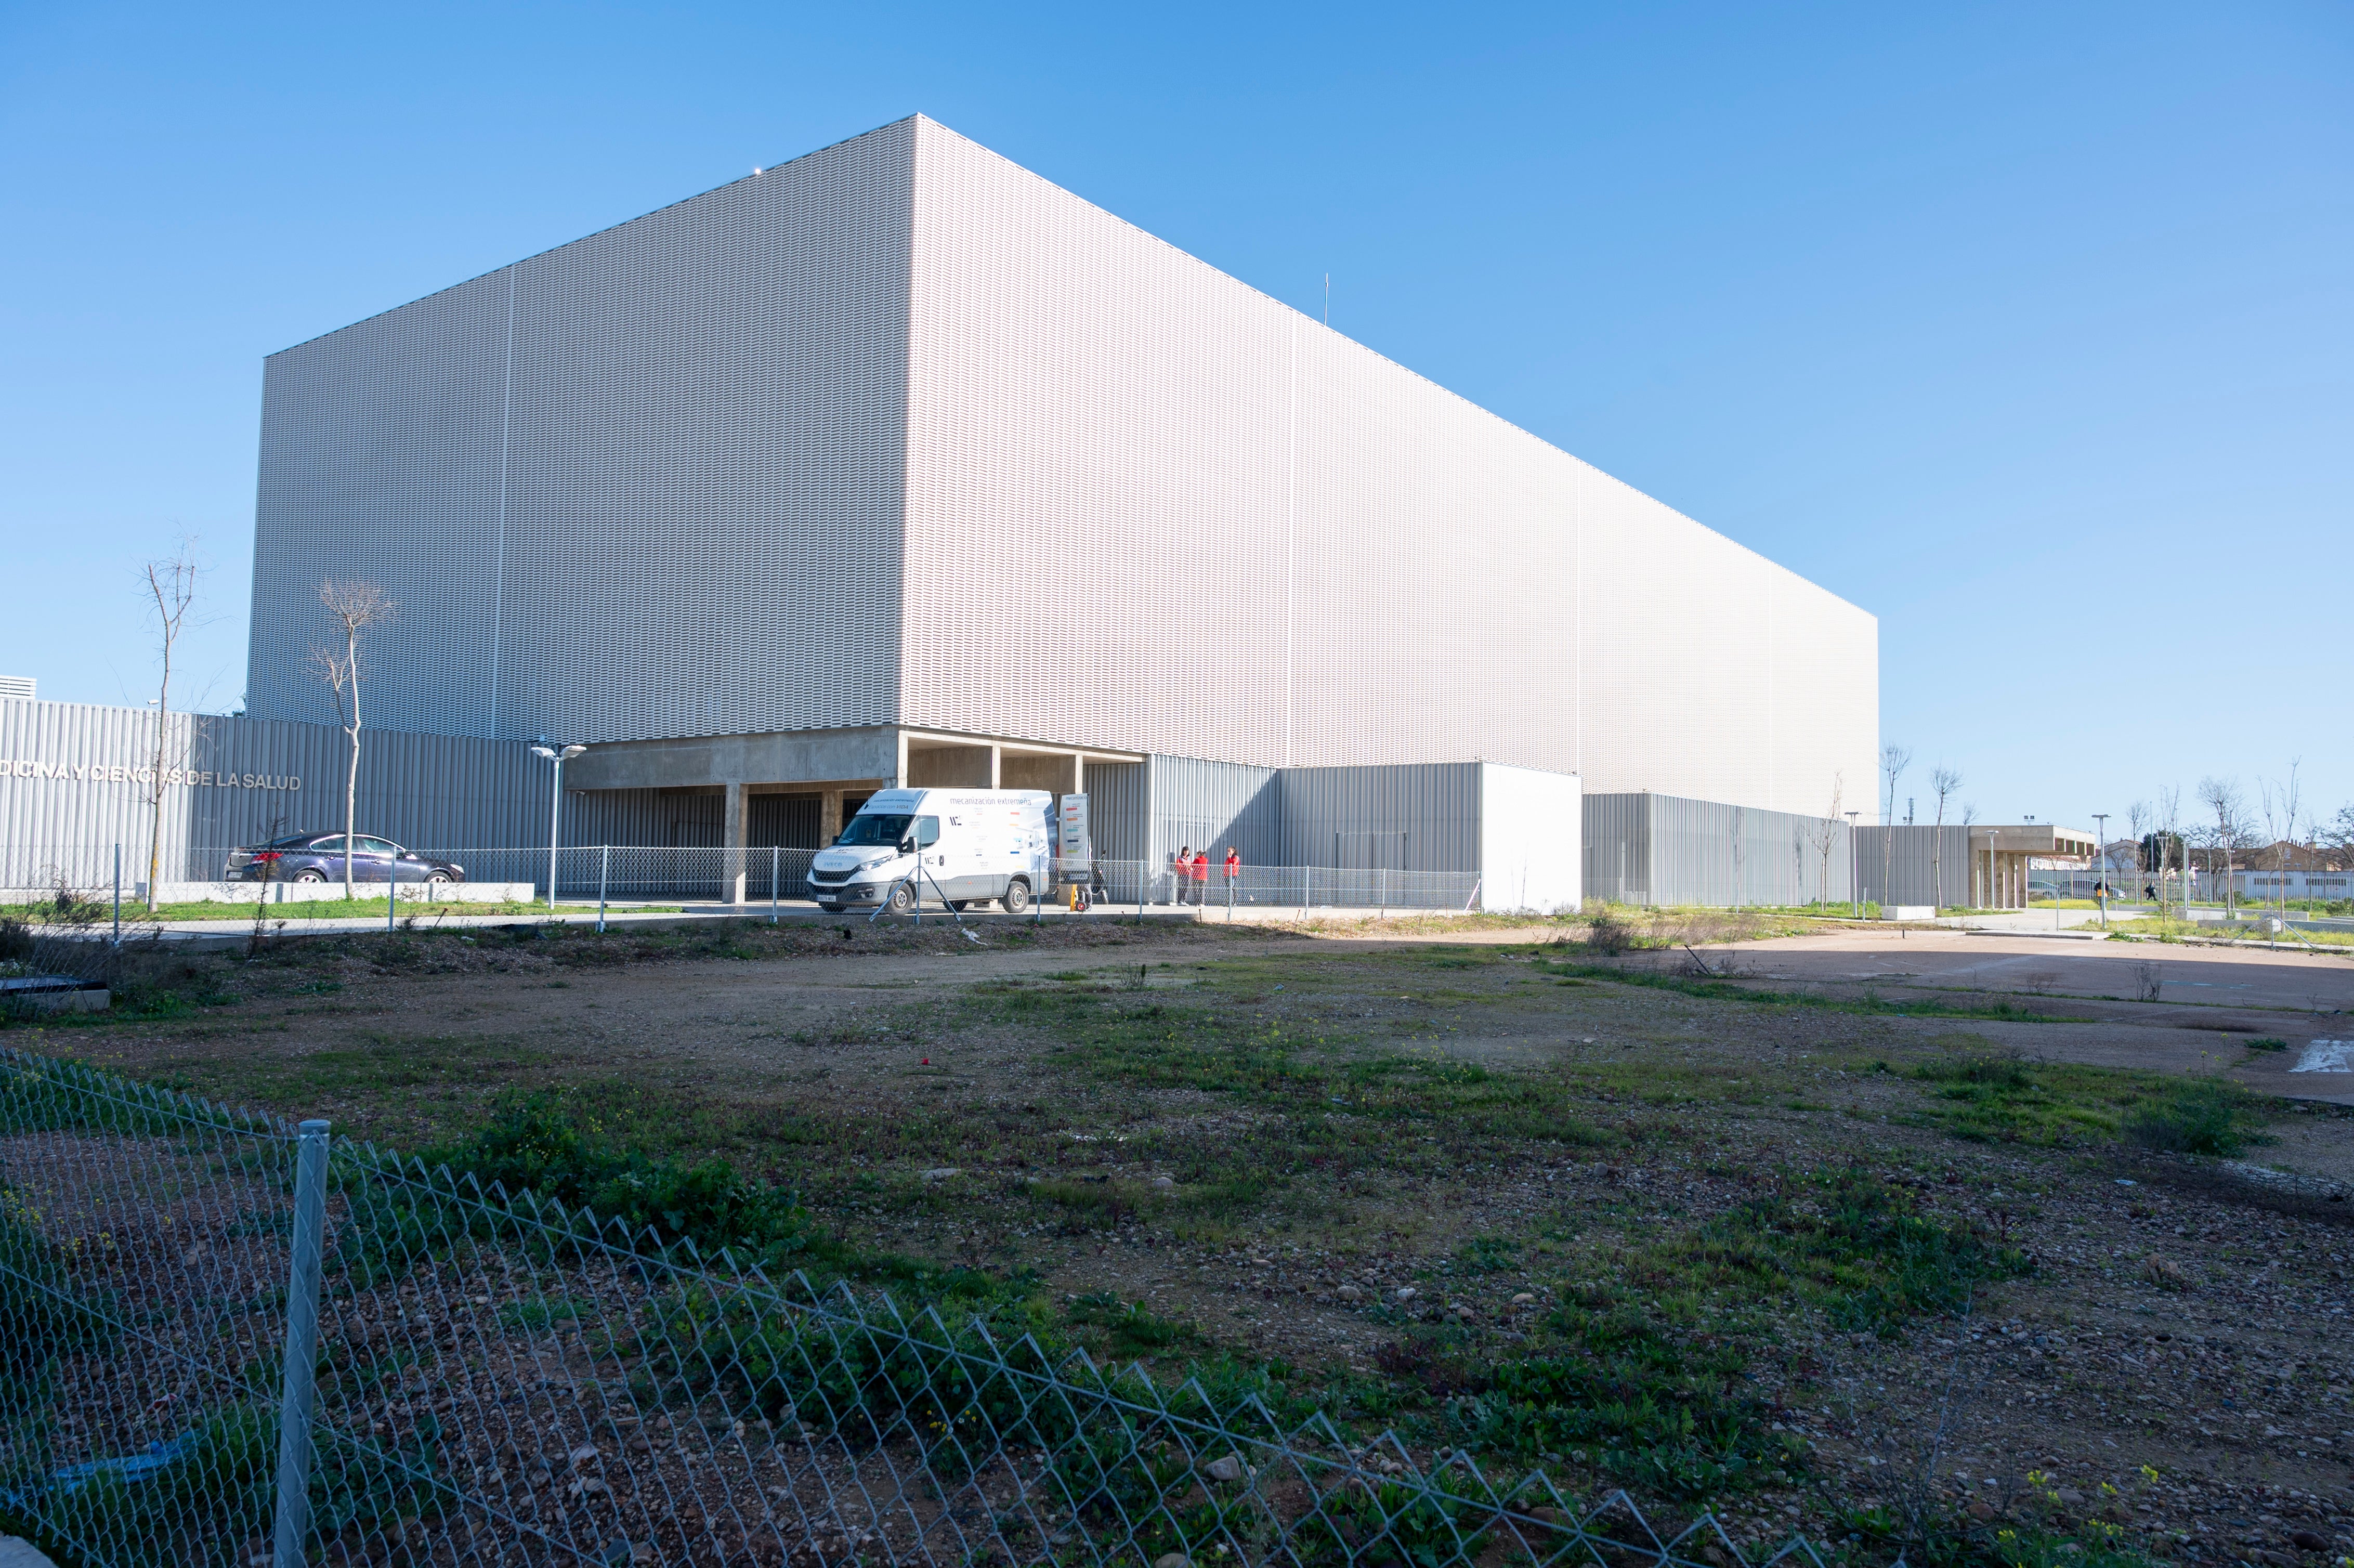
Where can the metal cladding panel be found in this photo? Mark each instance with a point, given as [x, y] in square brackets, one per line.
[1666, 849]
[647, 484]
[1410, 817]
[1914, 865]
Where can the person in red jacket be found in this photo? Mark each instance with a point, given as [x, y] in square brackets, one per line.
[1234, 871]
[1201, 877]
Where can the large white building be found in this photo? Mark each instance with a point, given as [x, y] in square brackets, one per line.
[897, 463]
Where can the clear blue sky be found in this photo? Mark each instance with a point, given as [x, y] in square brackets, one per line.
[2028, 329]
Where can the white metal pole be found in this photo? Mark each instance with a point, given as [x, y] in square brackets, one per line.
[118, 895]
[604, 875]
[776, 862]
[555, 799]
[299, 1389]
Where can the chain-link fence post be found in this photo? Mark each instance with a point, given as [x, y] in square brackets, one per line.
[301, 1347]
[604, 875]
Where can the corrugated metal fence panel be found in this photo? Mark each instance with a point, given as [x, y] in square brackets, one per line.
[67, 781]
[1117, 797]
[1619, 848]
[1917, 865]
[1667, 850]
[66, 784]
[1412, 816]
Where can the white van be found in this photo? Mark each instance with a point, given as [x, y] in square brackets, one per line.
[974, 845]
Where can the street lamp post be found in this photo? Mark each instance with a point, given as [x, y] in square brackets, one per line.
[554, 803]
[1854, 866]
[2101, 868]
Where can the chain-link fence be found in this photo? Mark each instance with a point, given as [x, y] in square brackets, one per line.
[592, 872]
[226, 1340]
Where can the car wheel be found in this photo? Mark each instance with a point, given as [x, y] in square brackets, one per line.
[903, 898]
[440, 878]
[310, 873]
[1016, 898]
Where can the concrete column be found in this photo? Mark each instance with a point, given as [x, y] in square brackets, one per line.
[734, 827]
[828, 817]
[996, 766]
[899, 780]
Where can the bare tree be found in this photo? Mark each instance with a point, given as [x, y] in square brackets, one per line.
[172, 584]
[2222, 797]
[355, 606]
[1943, 781]
[2336, 837]
[1824, 835]
[2281, 807]
[1894, 762]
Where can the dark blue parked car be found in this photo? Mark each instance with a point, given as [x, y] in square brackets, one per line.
[319, 857]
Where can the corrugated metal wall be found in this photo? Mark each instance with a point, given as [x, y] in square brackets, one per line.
[1413, 817]
[1667, 850]
[1212, 805]
[70, 781]
[1410, 817]
[1922, 865]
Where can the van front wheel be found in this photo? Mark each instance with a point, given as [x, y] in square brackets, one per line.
[902, 899]
[1016, 897]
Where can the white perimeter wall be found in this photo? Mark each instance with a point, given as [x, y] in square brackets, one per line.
[1532, 840]
[1149, 507]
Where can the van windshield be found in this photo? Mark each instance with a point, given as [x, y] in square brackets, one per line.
[877, 828]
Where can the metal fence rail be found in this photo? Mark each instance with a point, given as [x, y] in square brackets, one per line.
[494, 1380]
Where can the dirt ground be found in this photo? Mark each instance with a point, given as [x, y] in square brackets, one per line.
[2175, 1364]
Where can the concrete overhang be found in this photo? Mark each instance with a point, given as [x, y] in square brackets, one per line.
[2034, 838]
[815, 755]
[933, 739]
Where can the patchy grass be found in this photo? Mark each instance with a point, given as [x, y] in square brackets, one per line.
[1640, 1372]
[1997, 1097]
[1735, 990]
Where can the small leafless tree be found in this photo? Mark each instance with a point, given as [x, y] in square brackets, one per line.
[1943, 781]
[2222, 797]
[1894, 762]
[355, 607]
[2281, 806]
[171, 585]
[1824, 834]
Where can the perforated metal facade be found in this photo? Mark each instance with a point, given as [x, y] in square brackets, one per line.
[901, 433]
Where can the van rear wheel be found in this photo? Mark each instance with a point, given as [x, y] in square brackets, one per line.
[1016, 897]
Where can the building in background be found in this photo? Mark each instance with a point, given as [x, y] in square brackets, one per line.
[897, 464]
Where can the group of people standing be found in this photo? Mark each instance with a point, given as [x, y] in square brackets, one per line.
[1190, 869]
